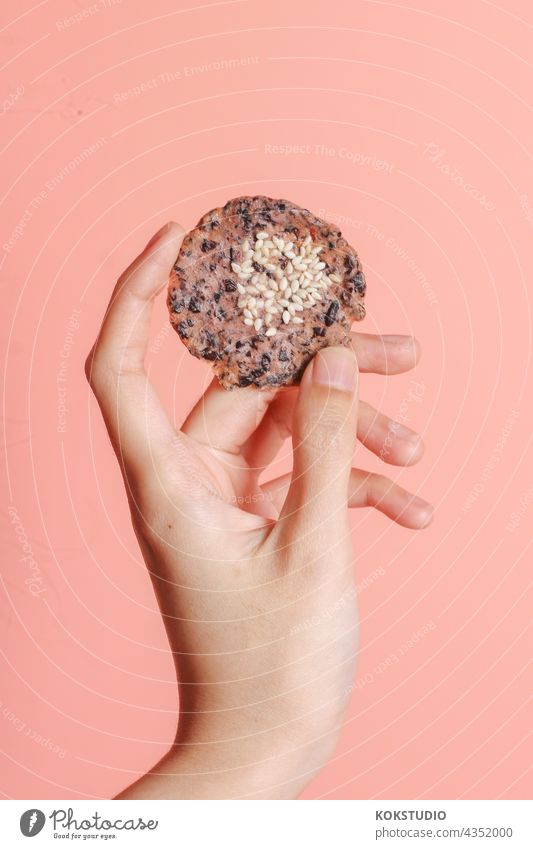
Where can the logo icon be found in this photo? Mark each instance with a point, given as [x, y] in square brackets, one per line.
[32, 822]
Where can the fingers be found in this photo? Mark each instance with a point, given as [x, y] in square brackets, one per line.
[385, 354]
[276, 426]
[115, 367]
[391, 441]
[366, 489]
[323, 433]
[379, 354]
[225, 420]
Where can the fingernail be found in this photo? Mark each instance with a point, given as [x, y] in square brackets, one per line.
[161, 232]
[397, 338]
[336, 368]
[405, 433]
[407, 343]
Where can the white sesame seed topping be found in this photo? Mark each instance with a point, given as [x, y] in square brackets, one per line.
[274, 293]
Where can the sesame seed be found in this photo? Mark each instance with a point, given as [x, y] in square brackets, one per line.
[276, 291]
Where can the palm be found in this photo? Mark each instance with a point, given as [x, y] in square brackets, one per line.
[230, 437]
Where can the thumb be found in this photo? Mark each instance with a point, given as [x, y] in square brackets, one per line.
[324, 436]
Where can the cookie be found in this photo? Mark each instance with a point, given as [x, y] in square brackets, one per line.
[259, 286]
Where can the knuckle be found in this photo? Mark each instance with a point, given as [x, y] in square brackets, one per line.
[377, 487]
[95, 370]
[327, 436]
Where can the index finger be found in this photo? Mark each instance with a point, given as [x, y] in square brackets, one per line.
[133, 414]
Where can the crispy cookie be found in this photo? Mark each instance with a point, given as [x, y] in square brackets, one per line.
[259, 286]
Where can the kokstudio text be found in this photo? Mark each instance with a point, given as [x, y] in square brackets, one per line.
[410, 815]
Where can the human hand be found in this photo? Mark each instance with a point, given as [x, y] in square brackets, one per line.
[254, 582]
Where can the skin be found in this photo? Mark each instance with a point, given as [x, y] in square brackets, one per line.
[255, 583]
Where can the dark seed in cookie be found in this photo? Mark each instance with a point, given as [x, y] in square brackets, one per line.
[277, 285]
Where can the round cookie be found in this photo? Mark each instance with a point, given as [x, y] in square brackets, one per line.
[259, 286]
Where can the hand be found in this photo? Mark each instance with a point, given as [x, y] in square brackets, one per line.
[254, 583]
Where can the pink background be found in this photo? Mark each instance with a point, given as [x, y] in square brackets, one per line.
[136, 113]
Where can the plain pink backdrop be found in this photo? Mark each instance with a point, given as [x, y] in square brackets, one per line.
[417, 120]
